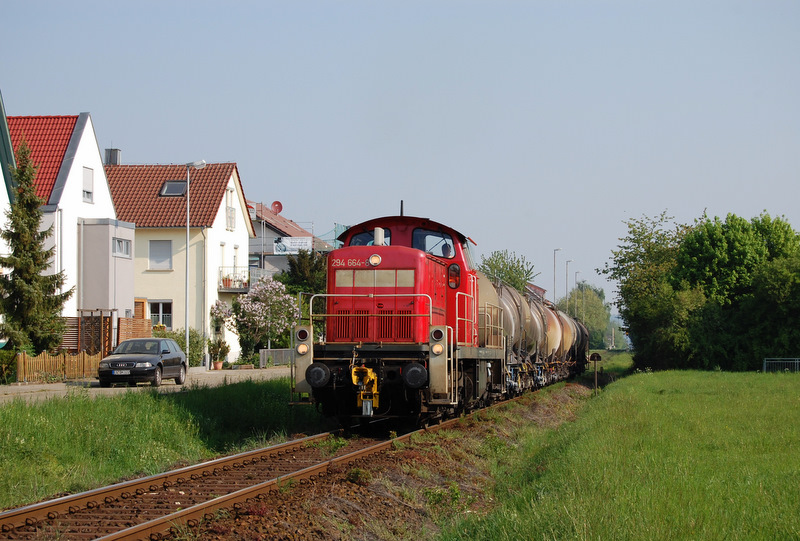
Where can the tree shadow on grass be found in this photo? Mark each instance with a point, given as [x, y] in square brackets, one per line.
[226, 417]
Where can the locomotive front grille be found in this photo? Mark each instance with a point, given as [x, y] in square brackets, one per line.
[404, 325]
[361, 325]
[340, 326]
[385, 325]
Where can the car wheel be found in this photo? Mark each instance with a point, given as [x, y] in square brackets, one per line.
[157, 377]
[105, 383]
[181, 379]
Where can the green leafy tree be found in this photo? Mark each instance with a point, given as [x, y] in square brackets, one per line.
[507, 267]
[587, 304]
[718, 294]
[721, 258]
[772, 312]
[307, 273]
[739, 266]
[649, 305]
[30, 298]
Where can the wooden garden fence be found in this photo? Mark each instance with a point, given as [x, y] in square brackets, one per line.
[51, 368]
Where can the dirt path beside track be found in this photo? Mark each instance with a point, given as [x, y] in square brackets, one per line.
[198, 377]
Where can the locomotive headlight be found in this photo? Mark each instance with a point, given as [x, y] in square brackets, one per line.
[437, 335]
[437, 349]
[374, 260]
[302, 349]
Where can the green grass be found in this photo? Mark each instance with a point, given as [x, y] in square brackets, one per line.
[671, 455]
[616, 362]
[80, 442]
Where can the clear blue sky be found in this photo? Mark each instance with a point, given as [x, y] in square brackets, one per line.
[528, 126]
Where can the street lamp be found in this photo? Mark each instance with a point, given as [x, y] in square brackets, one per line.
[554, 274]
[576, 296]
[566, 284]
[197, 165]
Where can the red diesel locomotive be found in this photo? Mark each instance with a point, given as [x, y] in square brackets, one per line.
[409, 328]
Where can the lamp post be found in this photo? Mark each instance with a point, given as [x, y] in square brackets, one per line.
[576, 296]
[566, 285]
[554, 274]
[197, 165]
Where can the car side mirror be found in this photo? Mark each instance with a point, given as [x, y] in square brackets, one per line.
[164, 351]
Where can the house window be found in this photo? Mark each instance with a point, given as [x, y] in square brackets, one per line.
[230, 211]
[161, 313]
[88, 185]
[173, 188]
[121, 247]
[160, 255]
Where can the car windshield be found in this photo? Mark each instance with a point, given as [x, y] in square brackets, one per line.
[138, 346]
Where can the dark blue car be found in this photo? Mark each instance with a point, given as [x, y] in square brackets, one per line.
[143, 359]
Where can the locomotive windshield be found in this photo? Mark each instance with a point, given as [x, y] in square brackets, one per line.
[433, 242]
[367, 239]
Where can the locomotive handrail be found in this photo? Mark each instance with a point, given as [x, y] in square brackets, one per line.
[468, 302]
[469, 319]
[490, 327]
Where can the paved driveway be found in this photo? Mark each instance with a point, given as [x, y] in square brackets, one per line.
[197, 376]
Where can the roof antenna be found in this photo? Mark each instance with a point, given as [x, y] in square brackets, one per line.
[401, 207]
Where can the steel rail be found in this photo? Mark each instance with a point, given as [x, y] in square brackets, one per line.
[50, 510]
[191, 516]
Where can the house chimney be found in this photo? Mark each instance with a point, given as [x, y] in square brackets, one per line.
[113, 156]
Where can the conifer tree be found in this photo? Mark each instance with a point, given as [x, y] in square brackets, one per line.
[30, 299]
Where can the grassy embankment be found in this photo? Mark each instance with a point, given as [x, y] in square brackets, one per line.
[671, 455]
[80, 442]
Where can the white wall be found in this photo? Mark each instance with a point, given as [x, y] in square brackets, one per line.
[71, 208]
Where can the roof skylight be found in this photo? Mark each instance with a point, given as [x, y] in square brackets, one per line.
[173, 188]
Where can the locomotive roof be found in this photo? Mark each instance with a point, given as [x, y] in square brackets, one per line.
[388, 221]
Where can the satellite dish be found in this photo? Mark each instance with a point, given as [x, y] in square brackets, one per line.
[276, 207]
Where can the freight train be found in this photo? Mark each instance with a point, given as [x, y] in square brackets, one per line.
[410, 329]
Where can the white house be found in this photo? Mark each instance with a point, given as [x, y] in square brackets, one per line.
[154, 198]
[92, 247]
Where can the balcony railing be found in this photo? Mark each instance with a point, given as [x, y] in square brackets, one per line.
[234, 279]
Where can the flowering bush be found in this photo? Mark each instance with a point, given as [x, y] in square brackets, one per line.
[221, 313]
[264, 313]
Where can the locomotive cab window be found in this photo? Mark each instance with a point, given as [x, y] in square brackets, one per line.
[366, 238]
[468, 254]
[433, 242]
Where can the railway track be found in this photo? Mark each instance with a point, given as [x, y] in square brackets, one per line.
[154, 507]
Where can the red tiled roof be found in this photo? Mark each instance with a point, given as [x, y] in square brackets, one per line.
[135, 190]
[48, 138]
